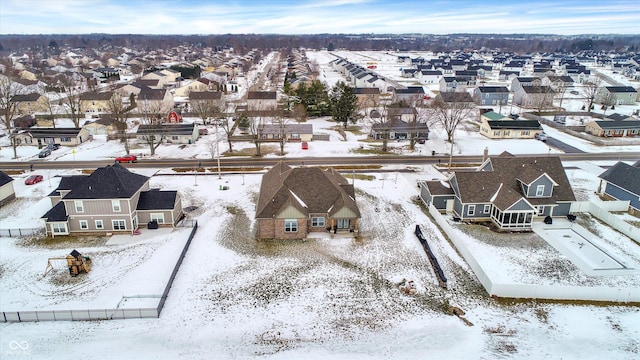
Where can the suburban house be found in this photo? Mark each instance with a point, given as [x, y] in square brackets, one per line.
[618, 95]
[557, 82]
[168, 133]
[292, 132]
[62, 136]
[206, 99]
[455, 84]
[94, 102]
[7, 192]
[154, 101]
[262, 101]
[613, 128]
[534, 96]
[506, 190]
[410, 96]
[296, 201]
[30, 103]
[622, 182]
[105, 125]
[198, 85]
[367, 97]
[111, 199]
[491, 95]
[519, 81]
[451, 98]
[498, 126]
[400, 130]
[429, 76]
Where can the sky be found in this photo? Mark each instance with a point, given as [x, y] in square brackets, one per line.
[564, 17]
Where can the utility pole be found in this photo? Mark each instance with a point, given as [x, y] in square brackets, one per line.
[218, 151]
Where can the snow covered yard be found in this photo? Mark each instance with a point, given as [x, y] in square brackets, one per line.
[322, 298]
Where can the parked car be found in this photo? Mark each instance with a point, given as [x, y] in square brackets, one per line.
[421, 140]
[541, 136]
[44, 153]
[305, 145]
[53, 147]
[127, 158]
[33, 179]
[574, 92]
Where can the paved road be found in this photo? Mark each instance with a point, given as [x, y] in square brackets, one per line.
[557, 144]
[240, 164]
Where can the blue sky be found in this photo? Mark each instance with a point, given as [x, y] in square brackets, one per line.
[318, 16]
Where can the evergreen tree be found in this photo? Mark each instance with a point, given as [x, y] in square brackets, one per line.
[344, 104]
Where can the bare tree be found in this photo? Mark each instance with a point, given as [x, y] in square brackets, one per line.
[119, 114]
[607, 101]
[206, 108]
[255, 129]
[591, 90]
[229, 127]
[450, 115]
[281, 124]
[9, 108]
[72, 99]
[151, 112]
[542, 98]
[377, 118]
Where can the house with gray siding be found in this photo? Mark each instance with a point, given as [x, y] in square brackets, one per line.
[111, 199]
[511, 192]
[491, 95]
[622, 182]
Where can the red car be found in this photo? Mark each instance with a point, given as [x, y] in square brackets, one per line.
[127, 158]
[33, 179]
[305, 146]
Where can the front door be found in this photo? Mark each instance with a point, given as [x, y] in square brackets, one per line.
[343, 223]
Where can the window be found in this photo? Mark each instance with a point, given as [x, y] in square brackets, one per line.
[79, 206]
[525, 132]
[115, 205]
[157, 217]
[118, 225]
[540, 190]
[290, 225]
[174, 137]
[487, 209]
[540, 210]
[84, 224]
[99, 225]
[496, 133]
[65, 139]
[59, 228]
[317, 222]
[471, 210]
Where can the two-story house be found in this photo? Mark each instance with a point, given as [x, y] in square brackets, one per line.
[618, 95]
[29, 104]
[111, 199]
[94, 102]
[491, 95]
[506, 190]
[262, 101]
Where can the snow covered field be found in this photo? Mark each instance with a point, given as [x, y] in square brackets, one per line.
[321, 298]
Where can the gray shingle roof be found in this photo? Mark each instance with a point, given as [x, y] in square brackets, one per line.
[308, 189]
[4, 178]
[515, 124]
[624, 176]
[157, 200]
[57, 213]
[109, 182]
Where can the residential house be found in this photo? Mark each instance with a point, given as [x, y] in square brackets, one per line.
[410, 96]
[498, 126]
[203, 99]
[367, 97]
[7, 192]
[613, 128]
[618, 95]
[161, 78]
[454, 97]
[296, 201]
[491, 95]
[540, 97]
[168, 133]
[520, 81]
[154, 101]
[262, 101]
[94, 102]
[105, 125]
[198, 85]
[558, 83]
[29, 104]
[62, 136]
[509, 191]
[622, 182]
[399, 130]
[111, 199]
[291, 132]
[455, 84]
[429, 76]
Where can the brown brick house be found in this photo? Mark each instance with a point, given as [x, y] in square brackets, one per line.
[296, 201]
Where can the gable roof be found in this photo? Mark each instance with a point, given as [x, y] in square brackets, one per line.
[26, 97]
[620, 89]
[308, 189]
[54, 132]
[4, 178]
[157, 200]
[205, 95]
[515, 124]
[493, 89]
[624, 176]
[261, 95]
[171, 129]
[109, 182]
[502, 184]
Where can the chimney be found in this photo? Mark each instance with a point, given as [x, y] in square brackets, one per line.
[485, 154]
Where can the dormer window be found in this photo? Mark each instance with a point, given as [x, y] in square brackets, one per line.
[540, 190]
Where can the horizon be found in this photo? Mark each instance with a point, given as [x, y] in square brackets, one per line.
[314, 17]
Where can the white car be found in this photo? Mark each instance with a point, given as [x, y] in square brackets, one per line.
[541, 136]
